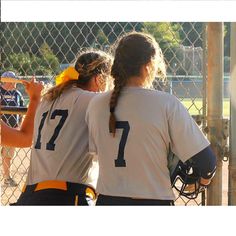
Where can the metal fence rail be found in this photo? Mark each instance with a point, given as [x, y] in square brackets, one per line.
[44, 49]
[232, 161]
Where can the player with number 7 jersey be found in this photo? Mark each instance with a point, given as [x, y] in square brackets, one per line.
[60, 165]
[136, 128]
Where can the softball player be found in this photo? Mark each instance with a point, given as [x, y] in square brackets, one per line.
[59, 167]
[10, 96]
[137, 126]
[22, 136]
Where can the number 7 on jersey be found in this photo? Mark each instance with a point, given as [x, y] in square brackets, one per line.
[120, 161]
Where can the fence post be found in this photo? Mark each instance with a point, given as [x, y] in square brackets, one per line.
[215, 105]
[204, 76]
[204, 87]
[232, 157]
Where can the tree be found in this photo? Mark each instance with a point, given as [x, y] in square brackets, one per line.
[102, 38]
[48, 61]
[29, 64]
[65, 39]
[227, 40]
[167, 35]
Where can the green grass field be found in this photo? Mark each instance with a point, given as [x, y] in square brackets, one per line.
[195, 106]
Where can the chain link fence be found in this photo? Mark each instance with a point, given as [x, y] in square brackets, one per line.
[44, 49]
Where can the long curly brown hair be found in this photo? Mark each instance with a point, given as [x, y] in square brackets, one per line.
[132, 52]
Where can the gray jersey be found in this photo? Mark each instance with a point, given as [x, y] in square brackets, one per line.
[60, 146]
[134, 163]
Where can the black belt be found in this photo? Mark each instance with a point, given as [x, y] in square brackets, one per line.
[114, 200]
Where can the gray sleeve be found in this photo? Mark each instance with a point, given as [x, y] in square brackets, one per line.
[88, 117]
[186, 139]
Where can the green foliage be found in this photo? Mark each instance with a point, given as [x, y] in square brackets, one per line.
[102, 38]
[166, 34]
[49, 61]
[29, 64]
[227, 39]
[44, 44]
[66, 38]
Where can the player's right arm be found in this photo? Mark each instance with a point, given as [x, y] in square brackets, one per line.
[23, 136]
[189, 143]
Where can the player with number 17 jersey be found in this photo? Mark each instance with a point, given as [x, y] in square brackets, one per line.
[55, 151]
[59, 172]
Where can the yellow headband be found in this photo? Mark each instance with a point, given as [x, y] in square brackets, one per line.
[69, 73]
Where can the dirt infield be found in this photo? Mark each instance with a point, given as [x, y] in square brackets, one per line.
[20, 166]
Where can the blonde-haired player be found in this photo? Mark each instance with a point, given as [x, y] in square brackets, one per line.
[59, 166]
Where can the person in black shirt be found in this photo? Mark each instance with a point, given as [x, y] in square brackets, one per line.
[10, 96]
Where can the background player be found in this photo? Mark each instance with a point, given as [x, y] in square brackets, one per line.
[22, 136]
[10, 96]
[136, 127]
[58, 172]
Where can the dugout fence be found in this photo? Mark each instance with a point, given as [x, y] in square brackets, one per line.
[44, 49]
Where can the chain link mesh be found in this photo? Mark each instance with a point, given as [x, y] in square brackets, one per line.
[44, 49]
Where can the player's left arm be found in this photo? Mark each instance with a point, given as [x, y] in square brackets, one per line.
[23, 137]
[205, 163]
